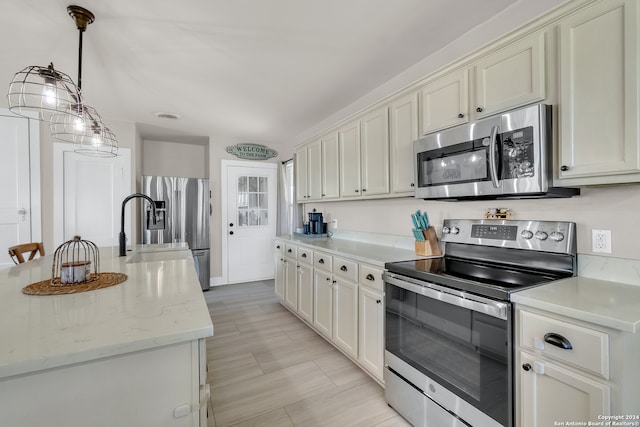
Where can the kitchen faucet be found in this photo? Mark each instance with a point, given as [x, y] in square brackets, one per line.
[123, 237]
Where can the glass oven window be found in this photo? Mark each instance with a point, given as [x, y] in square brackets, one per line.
[469, 166]
[465, 351]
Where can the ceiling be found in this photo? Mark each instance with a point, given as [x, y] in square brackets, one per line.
[249, 70]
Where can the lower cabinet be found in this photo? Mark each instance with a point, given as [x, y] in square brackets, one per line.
[550, 393]
[323, 303]
[305, 292]
[371, 330]
[291, 283]
[279, 275]
[345, 316]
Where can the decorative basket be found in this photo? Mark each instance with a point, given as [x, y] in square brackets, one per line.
[75, 261]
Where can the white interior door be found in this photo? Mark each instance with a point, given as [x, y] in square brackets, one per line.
[88, 195]
[249, 225]
[19, 202]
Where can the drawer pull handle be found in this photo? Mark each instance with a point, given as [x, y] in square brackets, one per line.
[370, 277]
[304, 255]
[526, 367]
[321, 261]
[557, 340]
[344, 268]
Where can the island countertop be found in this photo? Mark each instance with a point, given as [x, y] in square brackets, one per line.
[161, 303]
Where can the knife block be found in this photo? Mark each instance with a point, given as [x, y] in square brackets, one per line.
[431, 244]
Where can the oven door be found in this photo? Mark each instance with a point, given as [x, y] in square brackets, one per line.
[460, 342]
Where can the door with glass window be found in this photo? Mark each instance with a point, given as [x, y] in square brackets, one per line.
[251, 221]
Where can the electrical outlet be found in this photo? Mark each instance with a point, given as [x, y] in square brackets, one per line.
[335, 223]
[601, 241]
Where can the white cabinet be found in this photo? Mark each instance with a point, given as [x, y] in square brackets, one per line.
[323, 303]
[309, 172]
[511, 76]
[371, 321]
[444, 101]
[599, 95]
[374, 151]
[305, 284]
[364, 155]
[279, 260]
[345, 315]
[291, 276]
[563, 369]
[330, 167]
[550, 393]
[403, 130]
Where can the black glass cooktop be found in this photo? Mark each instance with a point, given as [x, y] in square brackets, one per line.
[493, 280]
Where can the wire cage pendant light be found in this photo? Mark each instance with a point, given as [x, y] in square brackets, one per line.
[59, 101]
[42, 90]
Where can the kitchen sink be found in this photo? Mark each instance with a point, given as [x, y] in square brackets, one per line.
[156, 256]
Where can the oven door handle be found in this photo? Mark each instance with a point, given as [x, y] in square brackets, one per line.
[489, 307]
[493, 164]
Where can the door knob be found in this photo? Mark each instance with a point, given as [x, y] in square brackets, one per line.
[23, 212]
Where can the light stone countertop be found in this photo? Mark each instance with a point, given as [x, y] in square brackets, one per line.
[369, 253]
[610, 304]
[161, 303]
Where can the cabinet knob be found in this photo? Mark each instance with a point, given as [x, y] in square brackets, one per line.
[564, 168]
[479, 110]
[461, 116]
[412, 184]
[321, 261]
[230, 224]
[378, 301]
[289, 250]
[328, 279]
[526, 367]
[344, 268]
[303, 255]
[364, 189]
[278, 247]
[231, 232]
[370, 277]
[324, 195]
[357, 191]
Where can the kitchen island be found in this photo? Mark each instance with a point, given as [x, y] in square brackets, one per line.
[132, 354]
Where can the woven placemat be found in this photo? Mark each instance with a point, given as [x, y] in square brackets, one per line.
[98, 281]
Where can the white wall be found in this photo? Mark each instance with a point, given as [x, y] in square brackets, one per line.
[614, 208]
[174, 159]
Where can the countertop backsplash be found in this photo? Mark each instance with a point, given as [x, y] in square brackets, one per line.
[608, 268]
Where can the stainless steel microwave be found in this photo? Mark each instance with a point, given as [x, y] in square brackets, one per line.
[503, 156]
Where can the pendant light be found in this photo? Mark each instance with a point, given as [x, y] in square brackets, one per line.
[58, 100]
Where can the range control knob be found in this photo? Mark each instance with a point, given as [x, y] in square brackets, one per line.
[445, 230]
[541, 235]
[455, 230]
[526, 234]
[556, 236]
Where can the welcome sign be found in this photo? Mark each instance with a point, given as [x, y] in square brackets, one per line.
[252, 151]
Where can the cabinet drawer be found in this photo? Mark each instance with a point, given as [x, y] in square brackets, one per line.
[322, 261]
[290, 250]
[344, 268]
[305, 256]
[371, 277]
[589, 348]
[278, 246]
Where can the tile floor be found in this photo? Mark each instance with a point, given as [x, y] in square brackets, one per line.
[269, 369]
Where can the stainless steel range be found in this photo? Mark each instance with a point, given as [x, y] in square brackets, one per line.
[449, 327]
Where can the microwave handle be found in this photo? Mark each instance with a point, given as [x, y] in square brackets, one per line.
[493, 166]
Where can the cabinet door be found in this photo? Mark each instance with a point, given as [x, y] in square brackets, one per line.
[550, 393]
[349, 146]
[444, 102]
[291, 283]
[280, 278]
[371, 331]
[314, 171]
[330, 167]
[510, 77]
[301, 174]
[599, 92]
[374, 146]
[345, 316]
[323, 303]
[403, 130]
[305, 292]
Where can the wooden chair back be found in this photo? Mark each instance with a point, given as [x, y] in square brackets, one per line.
[33, 248]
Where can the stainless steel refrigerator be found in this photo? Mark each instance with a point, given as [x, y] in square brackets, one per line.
[183, 216]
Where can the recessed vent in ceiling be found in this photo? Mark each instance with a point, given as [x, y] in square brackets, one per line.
[166, 116]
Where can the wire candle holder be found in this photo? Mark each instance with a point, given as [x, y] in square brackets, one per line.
[75, 261]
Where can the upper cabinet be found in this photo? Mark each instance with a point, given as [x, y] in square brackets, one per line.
[510, 77]
[444, 101]
[403, 130]
[364, 156]
[309, 172]
[330, 167]
[599, 95]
